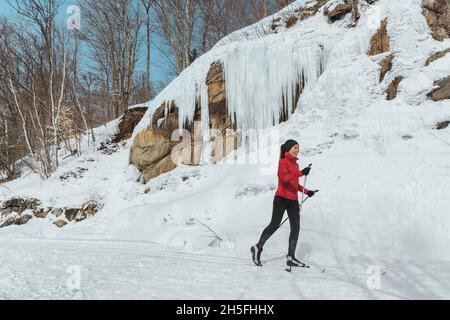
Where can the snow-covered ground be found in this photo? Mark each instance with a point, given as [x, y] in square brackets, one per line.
[86, 269]
[379, 227]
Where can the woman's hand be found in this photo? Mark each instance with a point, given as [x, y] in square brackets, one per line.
[311, 193]
[306, 171]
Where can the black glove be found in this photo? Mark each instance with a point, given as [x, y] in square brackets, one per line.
[306, 171]
[311, 193]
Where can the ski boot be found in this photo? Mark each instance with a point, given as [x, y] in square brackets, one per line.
[256, 255]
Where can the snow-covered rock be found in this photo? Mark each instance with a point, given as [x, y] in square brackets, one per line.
[437, 14]
[337, 9]
[442, 91]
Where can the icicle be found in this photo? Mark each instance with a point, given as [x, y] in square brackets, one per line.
[262, 79]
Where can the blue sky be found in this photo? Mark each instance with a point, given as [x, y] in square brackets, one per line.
[159, 65]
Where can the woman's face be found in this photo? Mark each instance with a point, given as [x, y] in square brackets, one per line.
[295, 150]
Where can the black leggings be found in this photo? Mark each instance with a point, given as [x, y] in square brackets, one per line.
[280, 205]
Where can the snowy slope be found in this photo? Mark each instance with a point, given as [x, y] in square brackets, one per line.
[381, 167]
[263, 28]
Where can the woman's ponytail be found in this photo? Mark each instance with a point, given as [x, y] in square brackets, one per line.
[282, 151]
[286, 147]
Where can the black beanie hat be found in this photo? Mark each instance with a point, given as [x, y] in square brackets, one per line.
[287, 146]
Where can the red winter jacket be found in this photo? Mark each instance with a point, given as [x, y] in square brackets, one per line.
[288, 178]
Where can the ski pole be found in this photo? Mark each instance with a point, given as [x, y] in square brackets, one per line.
[300, 210]
[302, 201]
[288, 217]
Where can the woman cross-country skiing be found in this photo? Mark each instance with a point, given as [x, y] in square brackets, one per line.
[286, 198]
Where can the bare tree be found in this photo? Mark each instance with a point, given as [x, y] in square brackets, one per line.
[177, 22]
[219, 18]
[148, 4]
[280, 4]
[75, 94]
[112, 32]
[11, 146]
[34, 68]
[42, 14]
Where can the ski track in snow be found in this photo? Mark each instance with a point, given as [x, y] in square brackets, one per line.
[124, 270]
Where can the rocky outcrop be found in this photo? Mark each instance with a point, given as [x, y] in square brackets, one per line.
[442, 92]
[16, 211]
[224, 137]
[437, 14]
[219, 119]
[8, 221]
[23, 219]
[379, 44]
[380, 41]
[337, 10]
[19, 205]
[297, 15]
[108, 147]
[153, 151]
[216, 85]
[386, 66]
[60, 223]
[392, 89]
[89, 209]
[129, 121]
[19, 211]
[71, 213]
[436, 56]
[41, 213]
[442, 125]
